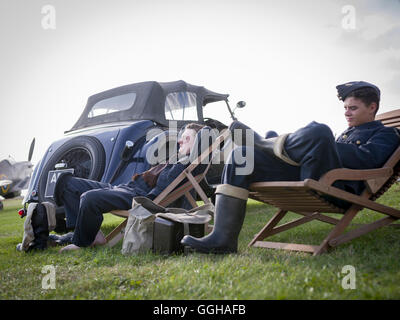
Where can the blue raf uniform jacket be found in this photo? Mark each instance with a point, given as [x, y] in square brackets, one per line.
[165, 178]
[366, 146]
[140, 188]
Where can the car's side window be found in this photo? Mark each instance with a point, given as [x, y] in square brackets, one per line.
[113, 104]
[181, 106]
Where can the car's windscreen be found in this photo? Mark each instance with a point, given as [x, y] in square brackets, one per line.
[217, 110]
[113, 104]
[181, 106]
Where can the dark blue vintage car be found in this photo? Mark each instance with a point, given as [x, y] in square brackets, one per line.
[109, 141]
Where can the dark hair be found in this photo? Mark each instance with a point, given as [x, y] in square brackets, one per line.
[194, 126]
[366, 95]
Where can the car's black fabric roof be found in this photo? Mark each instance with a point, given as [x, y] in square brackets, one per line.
[149, 103]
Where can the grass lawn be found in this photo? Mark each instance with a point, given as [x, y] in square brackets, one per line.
[253, 273]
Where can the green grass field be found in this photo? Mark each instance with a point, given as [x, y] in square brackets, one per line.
[253, 273]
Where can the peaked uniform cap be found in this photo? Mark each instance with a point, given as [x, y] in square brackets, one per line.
[346, 88]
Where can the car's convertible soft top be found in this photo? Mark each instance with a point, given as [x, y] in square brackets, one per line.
[149, 100]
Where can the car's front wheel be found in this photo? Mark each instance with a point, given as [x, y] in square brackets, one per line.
[84, 154]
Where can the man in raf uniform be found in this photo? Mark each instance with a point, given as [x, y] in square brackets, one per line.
[85, 200]
[307, 153]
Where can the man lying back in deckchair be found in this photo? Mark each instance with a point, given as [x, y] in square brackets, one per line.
[85, 200]
[307, 153]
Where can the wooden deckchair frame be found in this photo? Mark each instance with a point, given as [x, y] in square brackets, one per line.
[172, 193]
[305, 198]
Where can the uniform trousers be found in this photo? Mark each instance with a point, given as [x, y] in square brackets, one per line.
[312, 147]
[85, 201]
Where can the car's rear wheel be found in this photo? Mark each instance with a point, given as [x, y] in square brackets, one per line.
[84, 154]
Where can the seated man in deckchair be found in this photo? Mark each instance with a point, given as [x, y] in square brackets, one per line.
[307, 153]
[85, 201]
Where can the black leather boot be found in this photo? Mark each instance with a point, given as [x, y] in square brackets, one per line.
[228, 220]
[242, 137]
[272, 146]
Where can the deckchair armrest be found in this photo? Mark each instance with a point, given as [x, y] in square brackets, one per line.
[355, 174]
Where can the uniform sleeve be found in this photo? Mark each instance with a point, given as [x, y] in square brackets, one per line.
[165, 179]
[372, 154]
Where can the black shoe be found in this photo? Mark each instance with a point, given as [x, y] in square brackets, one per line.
[61, 240]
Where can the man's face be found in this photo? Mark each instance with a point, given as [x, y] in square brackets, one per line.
[357, 112]
[186, 141]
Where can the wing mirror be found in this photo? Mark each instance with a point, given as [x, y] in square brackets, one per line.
[240, 104]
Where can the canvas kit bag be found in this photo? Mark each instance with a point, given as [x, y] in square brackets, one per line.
[153, 227]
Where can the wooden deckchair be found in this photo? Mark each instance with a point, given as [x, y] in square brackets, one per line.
[305, 198]
[174, 191]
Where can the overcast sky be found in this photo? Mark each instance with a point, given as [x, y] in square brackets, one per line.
[284, 58]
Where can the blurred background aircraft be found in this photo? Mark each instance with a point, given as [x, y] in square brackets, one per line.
[15, 175]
